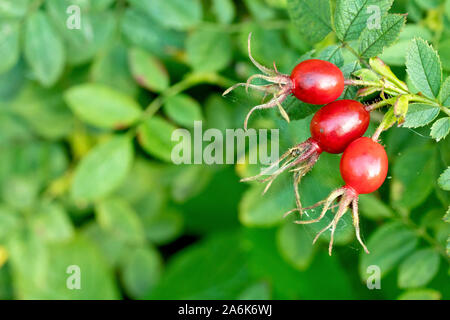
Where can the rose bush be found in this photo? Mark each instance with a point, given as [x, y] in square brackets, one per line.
[86, 178]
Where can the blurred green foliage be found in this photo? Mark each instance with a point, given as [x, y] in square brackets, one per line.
[86, 179]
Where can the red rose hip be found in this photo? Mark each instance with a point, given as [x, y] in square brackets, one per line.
[332, 128]
[312, 81]
[337, 124]
[317, 81]
[364, 165]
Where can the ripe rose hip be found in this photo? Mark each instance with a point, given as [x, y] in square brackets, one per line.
[364, 166]
[312, 81]
[332, 128]
[316, 81]
[337, 124]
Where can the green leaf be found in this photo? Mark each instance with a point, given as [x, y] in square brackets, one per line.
[35, 163]
[257, 291]
[143, 31]
[9, 223]
[224, 10]
[117, 217]
[218, 113]
[444, 179]
[401, 108]
[313, 19]
[102, 106]
[372, 42]
[97, 278]
[424, 67]
[155, 136]
[144, 182]
[96, 28]
[420, 294]
[196, 268]
[418, 269]
[440, 128]
[415, 13]
[419, 115]
[448, 246]
[298, 110]
[12, 81]
[367, 74]
[352, 17]
[9, 44]
[394, 55]
[112, 69]
[162, 227]
[372, 207]
[324, 272]
[444, 94]
[333, 54]
[28, 258]
[101, 4]
[176, 14]
[413, 170]
[111, 248]
[266, 46]
[44, 49]
[51, 222]
[14, 8]
[260, 10]
[190, 182]
[141, 270]
[256, 209]
[44, 111]
[19, 192]
[183, 110]
[446, 217]
[348, 70]
[447, 8]
[295, 245]
[103, 169]
[428, 4]
[148, 71]
[389, 119]
[208, 50]
[388, 245]
[443, 51]
[13, 130]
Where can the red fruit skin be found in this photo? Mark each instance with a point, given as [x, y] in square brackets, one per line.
[364, 165]
[317, 81]
[338, 123]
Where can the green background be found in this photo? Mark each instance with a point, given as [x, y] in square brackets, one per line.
[86, 178]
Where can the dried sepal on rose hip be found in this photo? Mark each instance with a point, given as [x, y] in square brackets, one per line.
[364, 166]
[312, 81]
[332, 129]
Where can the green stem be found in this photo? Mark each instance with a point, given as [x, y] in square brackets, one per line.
[416, 98]
[381, 103]
[353, 51]
[422, 233]
[188, 82]
[445, 110]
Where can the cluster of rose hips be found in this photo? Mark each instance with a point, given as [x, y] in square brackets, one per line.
[336, 128]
